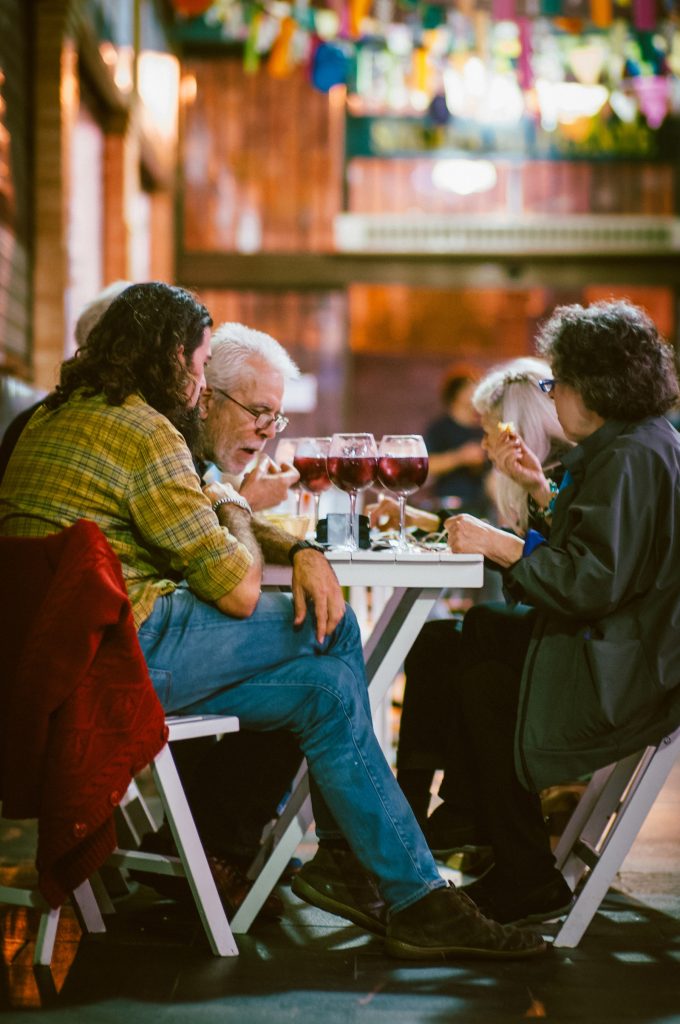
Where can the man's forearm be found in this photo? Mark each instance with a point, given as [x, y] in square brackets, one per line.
[241, 525]
[274, 542]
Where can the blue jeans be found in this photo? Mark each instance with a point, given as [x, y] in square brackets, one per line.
[274, 676]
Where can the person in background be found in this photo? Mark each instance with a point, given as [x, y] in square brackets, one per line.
[106, 446]
[510, 404]
[454, 444]
[585, 668]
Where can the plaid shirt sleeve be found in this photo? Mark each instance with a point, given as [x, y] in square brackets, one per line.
[171, 513]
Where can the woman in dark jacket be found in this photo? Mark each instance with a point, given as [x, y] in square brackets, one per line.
[586, 669]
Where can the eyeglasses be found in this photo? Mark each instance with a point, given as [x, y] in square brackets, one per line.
[547, 385]
[263, 420]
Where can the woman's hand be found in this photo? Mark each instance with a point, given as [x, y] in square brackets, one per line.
[468, 535]
[512, 457]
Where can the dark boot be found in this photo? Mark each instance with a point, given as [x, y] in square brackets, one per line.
[335, 881]
[445, 923]
[521, 903]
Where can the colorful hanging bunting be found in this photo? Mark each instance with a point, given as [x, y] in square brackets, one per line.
[358, 9]
[330, 66]
[191, 8]
[644, 15]
[525, 73]
[503, 10]
[280, 64]
[251, 58]
[602, 13]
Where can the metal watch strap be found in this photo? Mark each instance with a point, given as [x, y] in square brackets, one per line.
[300, 546]
[237, 500]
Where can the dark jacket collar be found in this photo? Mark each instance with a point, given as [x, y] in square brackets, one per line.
[576, 459]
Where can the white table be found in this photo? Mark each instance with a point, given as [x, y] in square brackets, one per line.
[416, 581]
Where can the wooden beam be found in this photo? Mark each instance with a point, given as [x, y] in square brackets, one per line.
[306, 271]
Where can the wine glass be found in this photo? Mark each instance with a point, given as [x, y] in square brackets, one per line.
[285, 452]
[352, 466]
[311, 454]
[402, 469]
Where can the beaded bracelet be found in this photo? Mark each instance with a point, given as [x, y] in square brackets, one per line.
[537, 511]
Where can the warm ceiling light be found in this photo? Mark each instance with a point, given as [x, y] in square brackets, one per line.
[567, 102]
[464, 177]
[158, 84]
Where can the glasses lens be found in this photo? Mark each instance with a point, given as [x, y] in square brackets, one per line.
[547, 386]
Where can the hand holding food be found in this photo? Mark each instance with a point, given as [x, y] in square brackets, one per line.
[268, 483]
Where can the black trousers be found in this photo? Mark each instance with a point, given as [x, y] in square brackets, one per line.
[460, 711]
[235, 785]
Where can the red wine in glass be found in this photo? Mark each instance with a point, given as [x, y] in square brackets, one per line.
[311, 454]
[402, 468]
[402, 474]
[313, 474]
[352, 474]
[352, 466]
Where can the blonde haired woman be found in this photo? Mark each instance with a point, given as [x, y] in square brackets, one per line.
[511, 406]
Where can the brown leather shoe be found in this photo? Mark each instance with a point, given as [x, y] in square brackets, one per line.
[445, 923]
[334, 880]
[231, 881]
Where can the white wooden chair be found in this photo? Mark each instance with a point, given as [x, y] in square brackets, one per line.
[91, 899]
[604, 826]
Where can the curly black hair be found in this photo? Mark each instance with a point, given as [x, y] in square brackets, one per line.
[613, 355]
[134, 349]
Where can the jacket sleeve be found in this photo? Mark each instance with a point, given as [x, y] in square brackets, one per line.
[602, 542]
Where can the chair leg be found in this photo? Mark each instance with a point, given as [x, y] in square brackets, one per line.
[101, 895]
[47, 933]
[133, 818]
[592, 814]
[192, 854]
[634, 809]
[87, 908]
[290, 830]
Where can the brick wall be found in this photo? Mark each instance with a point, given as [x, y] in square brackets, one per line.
[15, 186]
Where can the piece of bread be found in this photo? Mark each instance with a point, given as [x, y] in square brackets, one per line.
[507, 428]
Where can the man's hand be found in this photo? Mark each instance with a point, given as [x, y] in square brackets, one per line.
[315, 582]
[267, 485]
[468, 535]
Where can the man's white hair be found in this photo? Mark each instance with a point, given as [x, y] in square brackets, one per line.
[93, 311]
[233, 348]
[510, 393]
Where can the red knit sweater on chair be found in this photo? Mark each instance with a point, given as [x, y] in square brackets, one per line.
[78, 713]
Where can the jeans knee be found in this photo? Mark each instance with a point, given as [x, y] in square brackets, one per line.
[335, 692]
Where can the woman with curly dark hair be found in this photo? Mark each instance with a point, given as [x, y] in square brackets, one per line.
[586, 668]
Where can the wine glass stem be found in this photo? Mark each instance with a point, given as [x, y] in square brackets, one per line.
[352, 520]
[298, 500]
[402, 520]
[317, 499]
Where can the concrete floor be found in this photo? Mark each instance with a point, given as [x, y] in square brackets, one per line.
[153, 965]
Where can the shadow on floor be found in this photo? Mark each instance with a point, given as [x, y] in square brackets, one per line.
[154, 964]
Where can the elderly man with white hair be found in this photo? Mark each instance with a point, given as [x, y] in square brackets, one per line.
[248, 369]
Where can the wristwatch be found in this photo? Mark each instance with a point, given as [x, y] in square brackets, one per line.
[235, 499]
[300, 546]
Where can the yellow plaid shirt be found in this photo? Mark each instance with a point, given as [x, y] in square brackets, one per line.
[127, 469]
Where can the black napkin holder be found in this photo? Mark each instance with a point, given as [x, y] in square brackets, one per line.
[333, 530]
